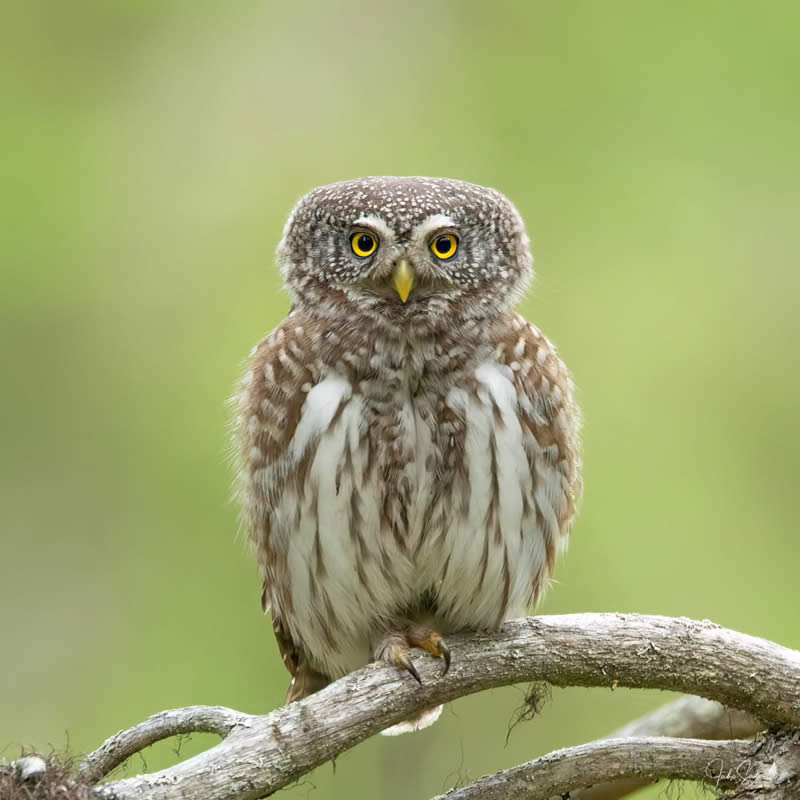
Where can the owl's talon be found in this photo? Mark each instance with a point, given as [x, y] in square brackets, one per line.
[446, 657]
[394, 650]
[413, 670]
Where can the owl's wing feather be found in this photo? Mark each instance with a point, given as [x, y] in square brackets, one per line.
[281, 371]
[550, 421]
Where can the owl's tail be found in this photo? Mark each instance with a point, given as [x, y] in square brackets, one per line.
[423, 720]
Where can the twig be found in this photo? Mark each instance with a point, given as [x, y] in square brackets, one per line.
[579, 650]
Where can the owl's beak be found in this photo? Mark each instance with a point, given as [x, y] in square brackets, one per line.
[403, 279]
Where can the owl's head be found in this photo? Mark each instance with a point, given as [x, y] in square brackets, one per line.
[405, 250]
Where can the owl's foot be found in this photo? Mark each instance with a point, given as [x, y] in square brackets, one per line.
[393, 648]
[430, 641]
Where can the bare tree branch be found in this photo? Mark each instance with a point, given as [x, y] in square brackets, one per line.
[715, 763]
[194, 719]
[687, 717]
[693, 717]
[271, 751]
[767, 769]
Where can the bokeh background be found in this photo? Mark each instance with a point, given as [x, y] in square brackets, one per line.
[149, 153]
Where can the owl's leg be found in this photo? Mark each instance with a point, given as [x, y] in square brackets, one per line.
[394, 646]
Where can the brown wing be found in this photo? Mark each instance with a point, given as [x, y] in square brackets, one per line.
[548, 413]
[280, 372]
[305, 679]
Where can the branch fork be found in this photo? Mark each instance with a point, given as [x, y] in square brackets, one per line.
[757, 678]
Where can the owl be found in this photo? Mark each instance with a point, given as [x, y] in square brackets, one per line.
[409, 458]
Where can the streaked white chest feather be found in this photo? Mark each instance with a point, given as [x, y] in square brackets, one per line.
[481, 554]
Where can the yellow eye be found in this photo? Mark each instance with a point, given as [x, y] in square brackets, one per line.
[363, 244]
[444, 246]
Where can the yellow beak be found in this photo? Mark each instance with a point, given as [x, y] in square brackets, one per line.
[403, 279]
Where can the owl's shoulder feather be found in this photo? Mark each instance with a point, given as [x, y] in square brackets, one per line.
[548, 413]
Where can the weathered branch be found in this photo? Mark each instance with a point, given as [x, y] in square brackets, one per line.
[695, 718]
[194, 719]
[690, 717]
[721, 764]
[767, 769]
[687, 717]
[270, 751]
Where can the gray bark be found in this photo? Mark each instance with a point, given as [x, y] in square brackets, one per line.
[690, 717]
[261, 754]
[767, 768]
[714, 763]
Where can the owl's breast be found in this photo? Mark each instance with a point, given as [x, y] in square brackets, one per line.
[476, 539]
[400, 496]
[343, 522]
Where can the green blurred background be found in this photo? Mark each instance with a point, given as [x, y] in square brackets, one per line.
[149, 154]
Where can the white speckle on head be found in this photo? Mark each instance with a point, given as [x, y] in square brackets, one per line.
[433, 223]
[376, 224]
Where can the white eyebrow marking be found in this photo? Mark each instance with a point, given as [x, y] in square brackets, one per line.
[377, 224]
[432, 223]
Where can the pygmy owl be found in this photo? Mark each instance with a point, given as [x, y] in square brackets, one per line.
[409, 454]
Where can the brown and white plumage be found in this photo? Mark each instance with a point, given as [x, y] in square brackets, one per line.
[406, 464]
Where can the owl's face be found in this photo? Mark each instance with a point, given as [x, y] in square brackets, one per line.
[405, 250]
